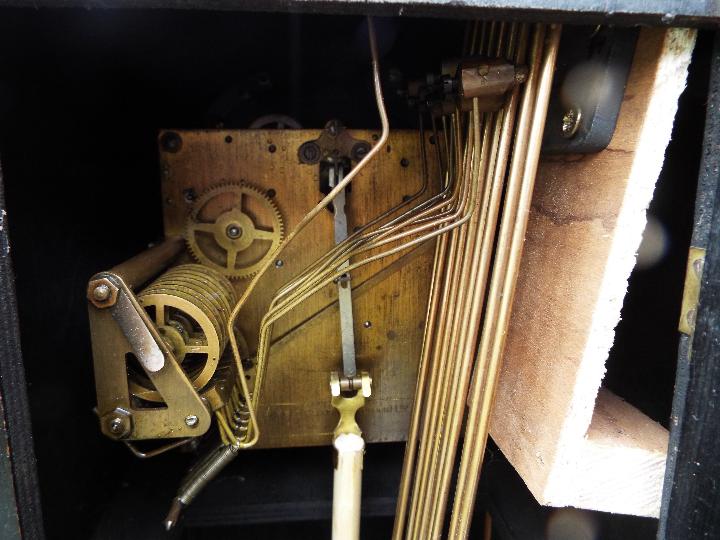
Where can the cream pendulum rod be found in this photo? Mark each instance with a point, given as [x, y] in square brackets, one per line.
[348, 395]
[347, 478]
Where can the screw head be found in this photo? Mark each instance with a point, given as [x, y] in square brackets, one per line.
[309, 152]
[171, 142]
[233, 231]
[191, 420]
[279, 263]
[698, 266]
[116, 425]
[101, 292]
[571, 122]
[360, 150]
[189, 195]
[367, 324]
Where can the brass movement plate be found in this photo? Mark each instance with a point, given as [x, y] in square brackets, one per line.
[390, 295]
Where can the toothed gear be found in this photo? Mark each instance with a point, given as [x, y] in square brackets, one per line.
[234, 228]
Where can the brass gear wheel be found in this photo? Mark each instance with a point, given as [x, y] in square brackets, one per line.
[233, 228]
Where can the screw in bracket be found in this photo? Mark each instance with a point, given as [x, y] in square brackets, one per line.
[571, 122]
[117, 424]
[698, 266]
[101, 292]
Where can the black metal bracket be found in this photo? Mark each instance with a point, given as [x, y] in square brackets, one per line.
[334, 145]
[588, 89]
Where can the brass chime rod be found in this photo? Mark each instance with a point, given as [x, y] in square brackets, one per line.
[468, 322]
[423, 369]
[426, 487]
[456, 307]
[424, 366]
[432, 422]
[502, 289]
[474, 285]
[467, 313]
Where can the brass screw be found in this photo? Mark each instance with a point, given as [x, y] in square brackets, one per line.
[571, 122]
[101, 292]
[233, 232]
[698, 266]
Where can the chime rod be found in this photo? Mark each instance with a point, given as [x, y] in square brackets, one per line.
[502, 289]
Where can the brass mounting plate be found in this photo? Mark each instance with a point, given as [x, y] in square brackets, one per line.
[391, 296]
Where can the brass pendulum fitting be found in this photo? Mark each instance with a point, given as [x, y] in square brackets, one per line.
[350, 447]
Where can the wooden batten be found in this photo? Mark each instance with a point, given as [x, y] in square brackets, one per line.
[574, 445]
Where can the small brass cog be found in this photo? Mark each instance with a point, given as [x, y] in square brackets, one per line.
[233, 228]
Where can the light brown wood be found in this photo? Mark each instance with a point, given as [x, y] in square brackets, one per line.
[295, 405]
[625, 442]
[586, 223]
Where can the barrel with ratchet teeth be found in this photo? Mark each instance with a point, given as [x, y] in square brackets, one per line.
[190, 304]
